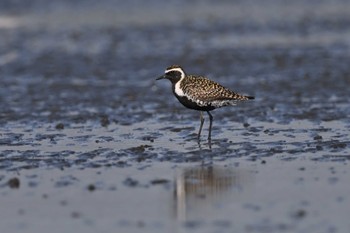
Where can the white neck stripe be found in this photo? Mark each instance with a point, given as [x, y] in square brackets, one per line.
[178, 90]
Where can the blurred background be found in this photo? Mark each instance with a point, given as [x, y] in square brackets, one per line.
[58, 58]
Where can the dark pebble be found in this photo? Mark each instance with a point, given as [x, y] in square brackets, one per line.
[299, 214]
[75, 215]
[14, 183]
[159, 181]
[104, 121]
[91, 187]
[59, 126]
[139, 149]
[130, 182]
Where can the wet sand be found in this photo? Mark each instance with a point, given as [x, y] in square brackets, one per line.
[90, 141]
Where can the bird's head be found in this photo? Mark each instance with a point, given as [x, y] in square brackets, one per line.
[174, 73]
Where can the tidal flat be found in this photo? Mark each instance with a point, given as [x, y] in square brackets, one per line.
[90, 142]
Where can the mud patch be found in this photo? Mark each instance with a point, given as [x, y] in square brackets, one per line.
[85, 129]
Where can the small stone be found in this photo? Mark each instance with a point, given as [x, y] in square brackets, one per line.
[159, 181]
[104, 121]
[75, 215]
[130, 182]
[59, 126]
[91, 187]
[14, 183]
[299, 214]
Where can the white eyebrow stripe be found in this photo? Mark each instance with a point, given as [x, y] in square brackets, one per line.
[177, 69]
[174, 69]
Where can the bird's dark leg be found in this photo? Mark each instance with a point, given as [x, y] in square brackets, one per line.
[201, 126]
[210, 124]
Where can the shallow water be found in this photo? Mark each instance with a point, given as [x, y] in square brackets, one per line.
[90, 141]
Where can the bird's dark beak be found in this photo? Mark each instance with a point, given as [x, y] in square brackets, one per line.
[161, 77]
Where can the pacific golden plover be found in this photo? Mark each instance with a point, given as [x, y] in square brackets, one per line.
[199, 93]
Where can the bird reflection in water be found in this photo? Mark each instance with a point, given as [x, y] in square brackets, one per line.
[197, 189]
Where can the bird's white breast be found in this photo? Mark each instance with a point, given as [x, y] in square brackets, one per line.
[178, 90]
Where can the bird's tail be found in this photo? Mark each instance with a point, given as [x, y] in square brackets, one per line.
[243, 97]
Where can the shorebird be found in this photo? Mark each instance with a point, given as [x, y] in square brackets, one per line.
[200, 93]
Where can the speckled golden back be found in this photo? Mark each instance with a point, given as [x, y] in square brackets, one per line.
[203, 89]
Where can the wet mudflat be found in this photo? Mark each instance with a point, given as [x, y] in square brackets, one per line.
[90, 141]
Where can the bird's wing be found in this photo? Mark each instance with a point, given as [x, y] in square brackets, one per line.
[203, 89]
